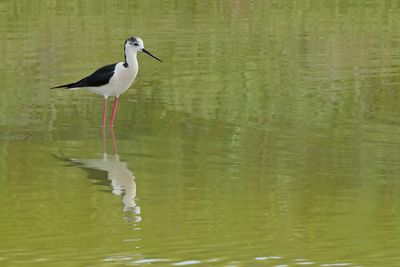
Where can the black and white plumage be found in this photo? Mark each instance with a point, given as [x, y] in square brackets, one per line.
[113, 79]
[98, 78]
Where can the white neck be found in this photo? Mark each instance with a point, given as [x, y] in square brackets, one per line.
[131, 58]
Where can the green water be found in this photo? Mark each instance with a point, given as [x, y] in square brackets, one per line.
[268, 137]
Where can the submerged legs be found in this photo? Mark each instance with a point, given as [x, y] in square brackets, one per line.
[114, 142]
[114, 111]
[103, 122]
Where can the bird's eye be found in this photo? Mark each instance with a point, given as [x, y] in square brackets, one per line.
[135, 44]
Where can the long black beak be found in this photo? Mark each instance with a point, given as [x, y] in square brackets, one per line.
[150, 54]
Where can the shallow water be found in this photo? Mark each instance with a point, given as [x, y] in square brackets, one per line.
[269, 137]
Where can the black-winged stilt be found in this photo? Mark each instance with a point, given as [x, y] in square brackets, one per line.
[113, 79]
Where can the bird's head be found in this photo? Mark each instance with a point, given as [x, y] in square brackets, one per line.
[136, 44]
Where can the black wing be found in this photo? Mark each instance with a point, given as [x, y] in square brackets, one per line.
[98, 78]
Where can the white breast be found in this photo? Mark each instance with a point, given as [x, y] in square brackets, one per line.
[120, 82]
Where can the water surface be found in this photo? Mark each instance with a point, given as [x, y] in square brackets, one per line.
[269, 137]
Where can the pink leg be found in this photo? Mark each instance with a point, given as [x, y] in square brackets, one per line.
[103, 124]
[114, 111]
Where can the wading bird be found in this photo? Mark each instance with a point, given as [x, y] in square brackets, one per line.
[113, 79]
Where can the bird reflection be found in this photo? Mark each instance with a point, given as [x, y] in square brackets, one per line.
[112, 168]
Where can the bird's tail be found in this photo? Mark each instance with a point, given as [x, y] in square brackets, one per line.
[72, 86]
[67, 86]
